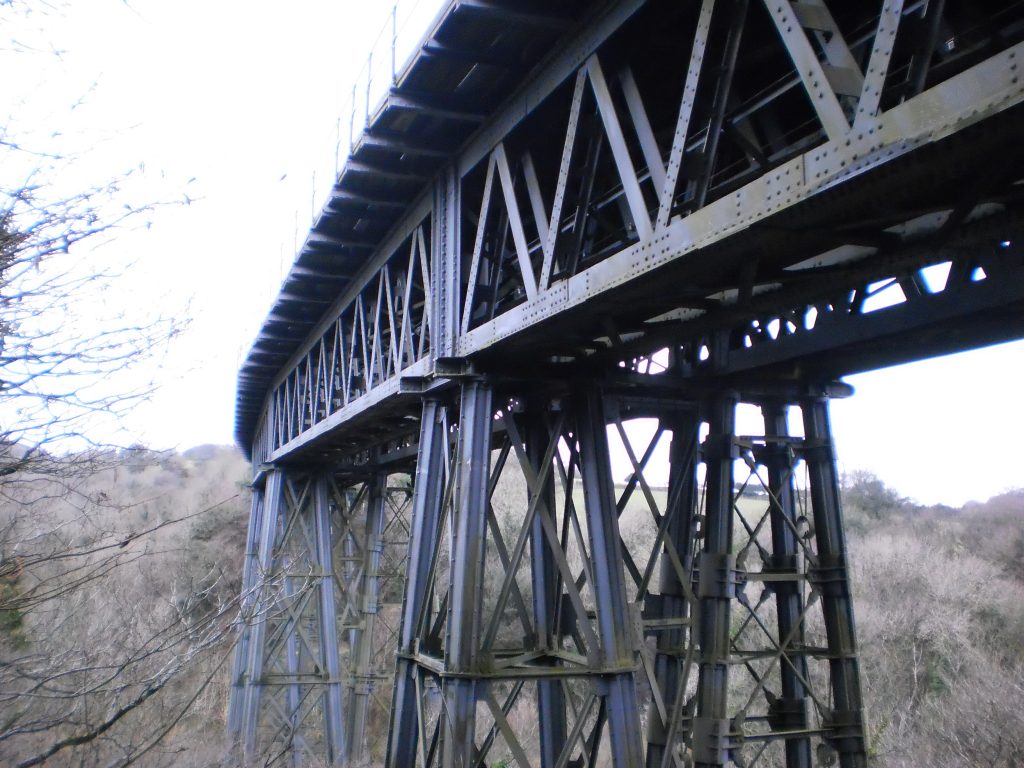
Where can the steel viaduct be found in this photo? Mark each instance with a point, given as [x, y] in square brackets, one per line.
[563, 217]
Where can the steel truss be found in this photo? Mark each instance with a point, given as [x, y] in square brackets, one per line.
[774, 192]
[324, 565]
[545, 627]
[660, 170]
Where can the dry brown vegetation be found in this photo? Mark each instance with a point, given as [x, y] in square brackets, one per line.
[105, 648]
[940, 609]
[118, 587]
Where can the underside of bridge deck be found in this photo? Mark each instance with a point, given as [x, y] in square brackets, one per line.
[563, 218]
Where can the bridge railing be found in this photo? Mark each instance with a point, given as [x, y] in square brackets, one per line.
[391, 48]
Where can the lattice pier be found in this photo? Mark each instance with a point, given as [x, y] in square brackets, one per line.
[696, 613]
[325, 554]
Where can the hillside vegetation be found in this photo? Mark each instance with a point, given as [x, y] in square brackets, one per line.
[119, 585]
[940, 611]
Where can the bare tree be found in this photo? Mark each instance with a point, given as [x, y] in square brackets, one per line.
[61, 338]
[94, 652]
[111, 632]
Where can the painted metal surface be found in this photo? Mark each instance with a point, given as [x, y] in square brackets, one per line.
[727, 187]
[564, 217]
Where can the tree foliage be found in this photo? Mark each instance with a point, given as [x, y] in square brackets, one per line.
[866, 491]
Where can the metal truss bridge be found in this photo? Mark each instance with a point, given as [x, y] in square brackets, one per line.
[564, 217]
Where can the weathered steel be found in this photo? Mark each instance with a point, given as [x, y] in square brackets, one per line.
[258, 631]
[616, 628]
[338, 741]
[465, 590]
[769, 195]
[784, 565]
[431, 470]
[831, 573]
[674, 607]
[713, 739]
[363, 633]
[544, 580]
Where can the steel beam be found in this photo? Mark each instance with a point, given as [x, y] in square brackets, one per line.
[337, 743]
[272, 502]
[614, 618]
[791, 708]
[293, 695]
[250, 584]
[510, 14]
[423, 104]
[722, 90]
[446, 267]
[404, 730]
[547, 591]
[674, 603]
[712, 738]
[465, 592]
[363, 642]
[832, 577]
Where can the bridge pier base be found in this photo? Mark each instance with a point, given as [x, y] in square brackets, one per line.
[552, 615]
[308, 659]
[775, 638]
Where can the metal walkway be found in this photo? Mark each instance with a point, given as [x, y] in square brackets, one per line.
[562, 218]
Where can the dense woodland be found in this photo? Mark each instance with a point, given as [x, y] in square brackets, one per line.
[119, 582]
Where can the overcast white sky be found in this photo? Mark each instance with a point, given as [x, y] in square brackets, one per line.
[236, 105]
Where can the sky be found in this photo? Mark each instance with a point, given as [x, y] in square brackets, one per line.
[233, 110]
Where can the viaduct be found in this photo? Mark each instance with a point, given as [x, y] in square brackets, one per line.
[577, 226]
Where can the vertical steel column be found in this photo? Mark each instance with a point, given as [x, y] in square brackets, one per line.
[362, 648]
[831, 576]
[272, 502]
[712, 743]
[614, 619]
[465, 593]
[294, 698]
[546, 603]
[445, 286]
[425, 517]
[330, 666]
[246, 601]
[672, 602]
[790, 711]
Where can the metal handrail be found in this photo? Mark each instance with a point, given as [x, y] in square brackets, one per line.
[389, 53]
[395, 42]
